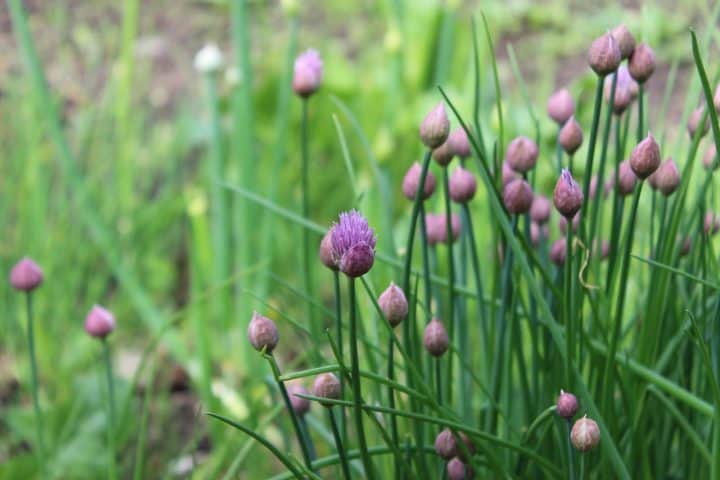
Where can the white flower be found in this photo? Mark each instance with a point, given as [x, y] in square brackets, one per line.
[208, 59]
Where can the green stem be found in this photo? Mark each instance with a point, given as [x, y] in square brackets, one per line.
[569, 330]
[112, 468]
[571, 452]
[305, 206]
[339, 445]
[478, 278]
[355, 373]
[451, 276]
[641, 113]
[339, 337]
[438, 380]
[34, 385]
[591, 152]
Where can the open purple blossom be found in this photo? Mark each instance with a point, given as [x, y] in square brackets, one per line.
[353, 244]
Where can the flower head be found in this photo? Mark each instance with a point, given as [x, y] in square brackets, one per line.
[26, 275]
[568, 197]
[561, 106]
[456, 469]
[558, 251]
[435, 338]
[393, 304]
[571, 136]
[308, 73]
[710, 158]
[604, 55]
[567, 405]
[327, 385]
[435, 127]
[353, 244]
[300, 405]
[459, 143]
[436, 227]
[585, 434]
[326, 254]
[667, 177]
[522, 154]
[99, 322]
[641, 63]
[262, 333]
[518, 196]
[412, 180]
[540, 209]
[624, 39]
[645, 157]
[462, 185]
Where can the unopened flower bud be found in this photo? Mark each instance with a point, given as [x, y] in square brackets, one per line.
[393, 304]
[444, 154]
[412, 180]
[567, 197]
[327, 385]
[208, 59]
[567, 405]
[561, 106]
[262, 333]
[593, 186]
[459, 143]
[626, 179]
[604, 56]
[445, 444]
[522, 154]
[456, 469]
[435, 127]
[435, 338]
[540, 209]
[308, 73]
[462, 185]
[538, 233]
[710, 158]
[712, 223]
[645, 157]
[99, 322]
[325, 254]
[667, 177]
[585, 434]
[624, 39]
[508, 174]
[571, 136]
[26, 275]
[698, 121]
[518, 196]
[300, 405]
[626, 89]
[558, 251]
[641, 63]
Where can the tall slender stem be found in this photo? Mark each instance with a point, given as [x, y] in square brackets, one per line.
[357, 392]
[641, 113]
[591, 150]
[339, 445]
[413, 221]
[339, 337]
[569, 327]
[305, 205]
[34, 386]
[478, 278]
[451, 275]
[571, 452]
[112, 468]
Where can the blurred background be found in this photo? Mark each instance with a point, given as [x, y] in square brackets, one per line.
[105, 183]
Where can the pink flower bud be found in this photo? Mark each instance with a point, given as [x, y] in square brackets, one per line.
[262, 333]
[444, 154]
[624, 39]
[710, 158]
[626, 89]
[518, 196]
[585, 434]
[445, 445]
[667, 177]
[462, 185]
[326, 255]
[456, 469]
[522, 154]
[571, 136]
[567, 197]
[308, 73]
[300, 405]
[626, 179]
[696, 122]
[645, 157]
[540, 209]
[459, 143]
[327, 385]
[712, 223]
[558, 251]
[567, 405]
[26, 275]
[508, 174]
[716, 98]
[435, 338]
[393, 304]
[412, 180]
[605, 55]
[99, 322]
[641, 63]
[537, 233]
[561, 106]
[436, 228]
[435, 127]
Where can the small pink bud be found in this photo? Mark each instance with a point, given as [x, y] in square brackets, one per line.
[444, 154]
[571, 136]
[604, 56]
[456, 469]
[593, 186]
[300, 405]
[561, 106]
[567, 405]
[435, 338]
[412, 180]
[558, 251]
[712, 223]
[641, 63]
[393, 304]
[26, 275]
[262, 333]
[327, 385]
[436, 228]
[308, 73]
[696, 122]
[99, 322]
[667, 177]
[462, 185]
[326, 255]
[585, 434]
[522, 154]
[710, 158]
[567, 197]
[435, 127]
[540, 209]
[518, 196]
[627, 179]
[626, 89]
[645, 157]
[445, 445]
[508, 174]
[624, 39]
[459, 143]
[537, 233]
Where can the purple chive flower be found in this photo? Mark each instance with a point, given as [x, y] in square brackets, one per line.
[26, 275]
[325, 253]
[99, 322]
[308, 73]
[567, 197]
[585, 434]
[566, 405]
[456, 469]
[262, 333]
[353, 244]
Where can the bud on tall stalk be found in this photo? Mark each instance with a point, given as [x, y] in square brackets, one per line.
[558, 251]
[710, 158]
[327, 385]
[625, 182]
[585, 434]
[393, 304]
[667, 177]
[566, 405]
[642, 63]
[436, 227]
[99, 322]
[518, 196]
[456, 469]
[522, 154]
[459, 143]
[300, 406]
[561, 106]
[462, 185]
[571, 136]
[604, 55]
[435, 127]
[262, 333]
[540, 209]
[626, 89]
[412, 180]
[508, 174]
[353, 244]
[208, 59]
[567, 197]
[308, 73]
[624, 39]
[325, 254]
[712, 223]
[26, 275]
[645, 157]
[696, 122]
[435, 338]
